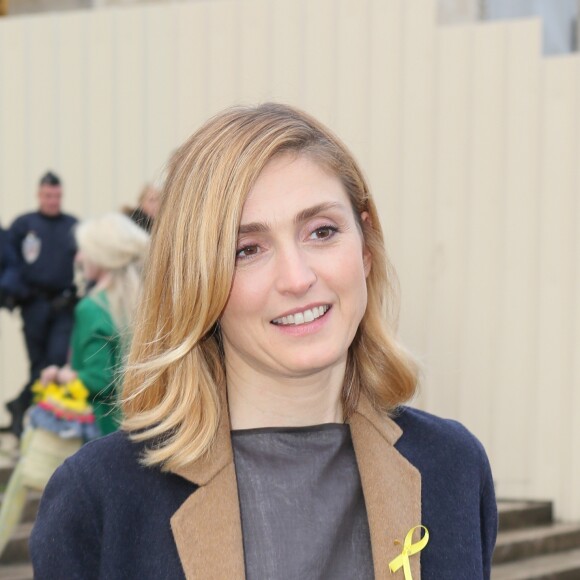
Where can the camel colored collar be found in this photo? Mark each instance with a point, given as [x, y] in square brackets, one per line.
[207, 527]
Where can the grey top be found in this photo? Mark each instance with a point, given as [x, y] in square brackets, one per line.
[301, 502]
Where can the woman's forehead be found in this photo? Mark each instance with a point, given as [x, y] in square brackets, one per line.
[290, 184]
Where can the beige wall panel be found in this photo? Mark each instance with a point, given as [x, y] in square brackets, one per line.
[413, 257]
[130, 71]
[556, 282]
[386, 104]
[72, 106]
[255, 34]
[16, 195]
[320, 63]
[41, 98]
[191, 67]
[484, 241]
[287, 51]
[573, 498]
[441, 388]
[102, 125]
[223, 63]
[515, 415]
[352, 80]
[160, 92]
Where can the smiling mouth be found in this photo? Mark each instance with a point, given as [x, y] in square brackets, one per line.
[302, 317]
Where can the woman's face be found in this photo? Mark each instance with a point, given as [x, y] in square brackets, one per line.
[90, 272]
[299, 290]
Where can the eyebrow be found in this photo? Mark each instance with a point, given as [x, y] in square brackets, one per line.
[300, 217]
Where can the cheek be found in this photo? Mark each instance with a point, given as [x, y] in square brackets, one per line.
[350, 279]
[247, 297]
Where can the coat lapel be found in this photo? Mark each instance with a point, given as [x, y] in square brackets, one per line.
[207, 527]
[391, 488]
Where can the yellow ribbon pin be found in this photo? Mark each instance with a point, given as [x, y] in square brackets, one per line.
[409, 549]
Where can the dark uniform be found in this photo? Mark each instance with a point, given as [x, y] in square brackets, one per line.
[41, 282]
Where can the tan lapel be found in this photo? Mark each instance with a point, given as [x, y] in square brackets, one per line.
[391, 488]
[207, 527]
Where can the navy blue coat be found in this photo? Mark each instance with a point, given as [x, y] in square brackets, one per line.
[103, 515]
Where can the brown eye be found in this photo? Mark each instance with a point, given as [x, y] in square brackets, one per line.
[323, 233]
[247, 252]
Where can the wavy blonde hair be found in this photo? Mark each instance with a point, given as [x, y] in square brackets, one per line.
[176, 375]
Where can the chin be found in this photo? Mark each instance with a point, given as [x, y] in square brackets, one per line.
[310, 363]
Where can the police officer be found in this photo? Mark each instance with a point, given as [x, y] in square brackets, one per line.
[41, 282]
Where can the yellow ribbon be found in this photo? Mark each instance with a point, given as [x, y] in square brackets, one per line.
[409, 549]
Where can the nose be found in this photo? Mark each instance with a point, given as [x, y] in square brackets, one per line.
[295, 273]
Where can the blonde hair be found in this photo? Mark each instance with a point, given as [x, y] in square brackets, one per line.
[115, 244]
[176, 375]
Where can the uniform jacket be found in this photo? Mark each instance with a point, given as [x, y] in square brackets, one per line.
[44, 248]
[103, 515]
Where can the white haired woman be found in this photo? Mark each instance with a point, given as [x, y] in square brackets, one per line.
[265, 435]
[111, 250]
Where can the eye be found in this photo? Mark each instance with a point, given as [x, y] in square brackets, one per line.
[247, 252]
[323, 232]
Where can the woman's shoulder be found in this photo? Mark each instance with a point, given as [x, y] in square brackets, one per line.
[92, 302]
[434, 438]
[96, 504]
[113, 454]
[93, 309]
[110, 470]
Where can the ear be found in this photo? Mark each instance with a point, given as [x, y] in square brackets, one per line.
[366, 222]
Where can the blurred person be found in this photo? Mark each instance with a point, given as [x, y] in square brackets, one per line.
[84, 406]
[265, 432]
[145, 213]
[111, 250]
[40, 281]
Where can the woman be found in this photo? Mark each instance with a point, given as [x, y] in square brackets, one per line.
[264, 435]
[145, 213]
[110, 255]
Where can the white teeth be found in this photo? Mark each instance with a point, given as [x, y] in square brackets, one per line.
[302, 317]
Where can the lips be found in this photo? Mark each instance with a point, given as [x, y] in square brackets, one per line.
[302, 317]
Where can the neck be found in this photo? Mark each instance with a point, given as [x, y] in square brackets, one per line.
[256, 400]
[103, 281]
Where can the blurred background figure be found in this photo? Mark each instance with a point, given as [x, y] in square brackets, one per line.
[146, 212]
[111, 253]
[39, 279]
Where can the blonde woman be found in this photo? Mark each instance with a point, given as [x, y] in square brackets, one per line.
[264, 433]
[111, 250]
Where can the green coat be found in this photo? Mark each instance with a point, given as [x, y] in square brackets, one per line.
[96, 357]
